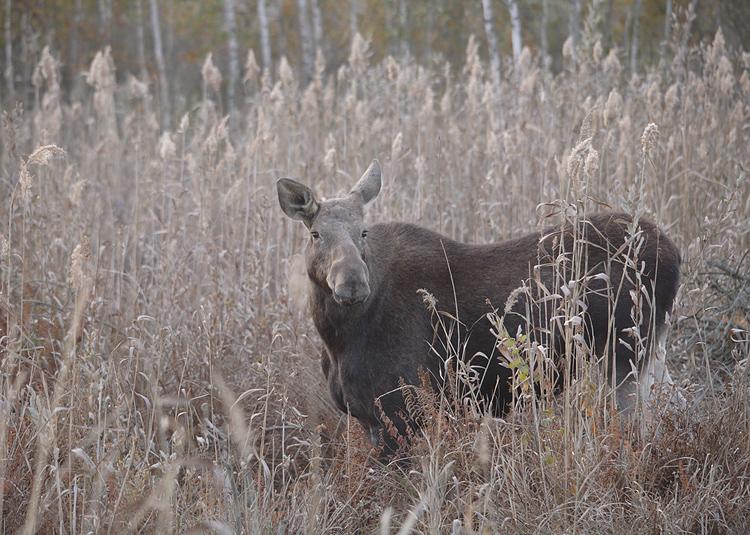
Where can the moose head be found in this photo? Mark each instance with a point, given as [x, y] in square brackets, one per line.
[337, 252]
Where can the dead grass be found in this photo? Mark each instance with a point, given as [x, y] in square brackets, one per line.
[164, 382]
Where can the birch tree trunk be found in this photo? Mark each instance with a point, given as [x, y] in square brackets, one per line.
[73, 63]
[105, 19]
[353, 16]
[317, 23]
[403, 16]
[265, 40]
[430, 30]
[168, 42]
[575, 26]
[515, 24]
[634, 38]
[160, 69]
[608, 24]
[230, 26]
[26, 62]
[9, 75]
[543, 37]
[306, 41]
[141, 40]
[491, 42]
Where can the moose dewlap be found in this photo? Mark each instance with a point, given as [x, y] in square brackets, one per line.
[365, 283]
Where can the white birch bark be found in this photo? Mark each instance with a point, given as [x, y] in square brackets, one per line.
[140, 39]
[575, 26]
[317, 23]
[515, 24]
[403, 16]
[160, 68]
[77, 18]
[230, 26]
[634, 39]
[105, 18]
[26, 57]
[543, 38]
[489, 31]
[265, 39]
[306, 41]
[608, 24]
[9, 75]
[353, 16]
[430, 31]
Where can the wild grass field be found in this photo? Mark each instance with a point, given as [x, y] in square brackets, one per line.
[160, 374]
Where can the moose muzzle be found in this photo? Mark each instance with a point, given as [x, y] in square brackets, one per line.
[348, 279]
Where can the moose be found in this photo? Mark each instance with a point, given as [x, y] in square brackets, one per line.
[365, 295]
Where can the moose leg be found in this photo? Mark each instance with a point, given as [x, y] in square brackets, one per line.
[655, 380]
[644, 386]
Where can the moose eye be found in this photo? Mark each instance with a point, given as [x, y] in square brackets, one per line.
[364, 233]
[315, 235]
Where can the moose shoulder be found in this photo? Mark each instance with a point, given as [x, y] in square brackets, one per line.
[365, 284]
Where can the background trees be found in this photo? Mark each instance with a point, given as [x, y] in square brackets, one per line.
[163, 40]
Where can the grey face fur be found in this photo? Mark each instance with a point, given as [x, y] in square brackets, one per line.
[336, 254]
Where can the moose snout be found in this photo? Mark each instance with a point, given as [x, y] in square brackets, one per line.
[349, 284]
[350, 294]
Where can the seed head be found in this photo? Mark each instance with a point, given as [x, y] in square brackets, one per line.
[101, 74]
[576, 160]
[44, 154]
[567, 49]
[285, 72]
[80, 272]
[41, 156]
[613, 107]
[184, 123]
[46, 69]
[24, 183]
[428, 299]
[745, 83]
[359, 53]
[137, 88]
[211, 74]
[166, 147]
[597, 52]
[649, 138]
[252, 70]
[76, 192]
[612, 65]
[4, 247]
[329, 161]
[672, 97]
[397, 146]
[391, 69]
[513, 298]
[591, 167]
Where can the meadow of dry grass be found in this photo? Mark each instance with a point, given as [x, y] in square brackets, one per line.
[158, 376]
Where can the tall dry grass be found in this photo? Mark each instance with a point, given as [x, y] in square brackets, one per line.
[156, 375]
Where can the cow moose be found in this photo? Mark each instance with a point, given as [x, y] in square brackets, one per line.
[364, 295]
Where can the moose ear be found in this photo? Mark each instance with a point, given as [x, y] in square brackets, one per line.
[369, 185]
[297, 200]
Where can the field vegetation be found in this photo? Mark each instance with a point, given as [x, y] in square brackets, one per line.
[160, 372]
